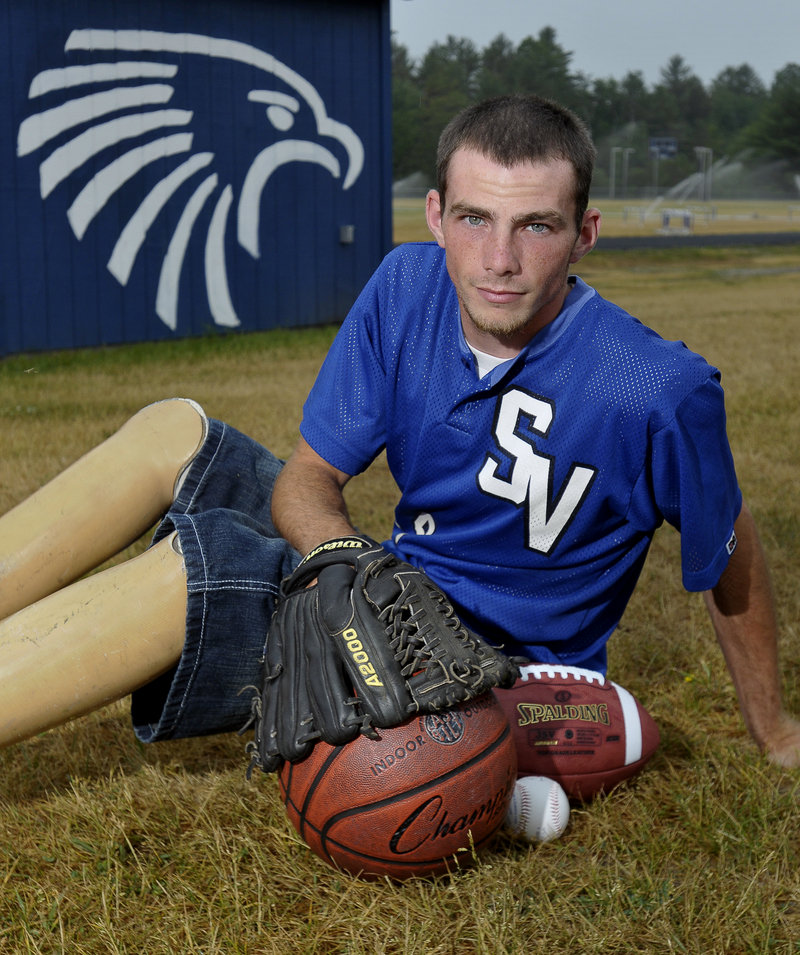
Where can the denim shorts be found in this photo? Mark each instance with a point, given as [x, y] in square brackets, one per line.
[235, 561]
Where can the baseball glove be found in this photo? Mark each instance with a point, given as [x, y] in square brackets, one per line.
[361, 639]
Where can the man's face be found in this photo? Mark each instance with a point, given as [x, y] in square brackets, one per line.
[510, 237]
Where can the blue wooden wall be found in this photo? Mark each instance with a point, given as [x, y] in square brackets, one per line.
[175, 167]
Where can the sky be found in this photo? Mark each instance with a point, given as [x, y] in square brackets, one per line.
[610, 38]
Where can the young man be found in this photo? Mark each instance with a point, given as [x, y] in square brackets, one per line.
[538, 434]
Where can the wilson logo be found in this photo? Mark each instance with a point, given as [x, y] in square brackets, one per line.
[345, 543]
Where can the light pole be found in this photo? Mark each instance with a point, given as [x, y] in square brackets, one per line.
[613, 173]
[656, 155]
[705, 157]
[625, 157]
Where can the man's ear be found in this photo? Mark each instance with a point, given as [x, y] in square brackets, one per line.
[433, 215]
[587, 238]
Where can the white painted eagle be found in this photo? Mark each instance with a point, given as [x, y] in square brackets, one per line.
[121, 100]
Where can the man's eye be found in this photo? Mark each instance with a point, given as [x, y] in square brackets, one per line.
[473, 220]
[537, 227]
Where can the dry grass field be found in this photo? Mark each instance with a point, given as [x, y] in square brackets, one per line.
[111, 847]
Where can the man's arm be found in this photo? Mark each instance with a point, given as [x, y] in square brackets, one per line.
[743, 614]
[308, 505]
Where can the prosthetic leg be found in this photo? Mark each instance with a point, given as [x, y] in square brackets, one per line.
[64, 652]
[97, 506]
[91, 643]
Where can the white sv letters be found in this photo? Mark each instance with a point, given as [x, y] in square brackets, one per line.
[530, 479]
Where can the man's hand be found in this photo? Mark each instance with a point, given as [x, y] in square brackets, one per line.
[743, 613]
[783, 746]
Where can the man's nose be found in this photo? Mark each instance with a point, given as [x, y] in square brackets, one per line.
[501, 255]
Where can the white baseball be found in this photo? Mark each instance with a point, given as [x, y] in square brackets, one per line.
[539, 809]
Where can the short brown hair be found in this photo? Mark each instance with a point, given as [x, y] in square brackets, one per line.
[517, 129]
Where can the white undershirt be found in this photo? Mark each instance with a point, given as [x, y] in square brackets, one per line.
[485, 363]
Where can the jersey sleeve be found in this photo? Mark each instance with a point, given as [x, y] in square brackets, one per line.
[344, 414]
[696, 486]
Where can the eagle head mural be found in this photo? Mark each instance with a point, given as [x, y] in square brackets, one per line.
[132, 116]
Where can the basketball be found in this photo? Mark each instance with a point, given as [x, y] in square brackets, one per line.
[415, 802]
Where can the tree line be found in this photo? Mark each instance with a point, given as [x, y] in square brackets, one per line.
[649, 138]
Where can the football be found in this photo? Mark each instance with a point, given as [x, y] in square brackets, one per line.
[577, 727]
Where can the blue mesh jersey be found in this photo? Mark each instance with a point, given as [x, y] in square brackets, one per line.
[531, 495]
